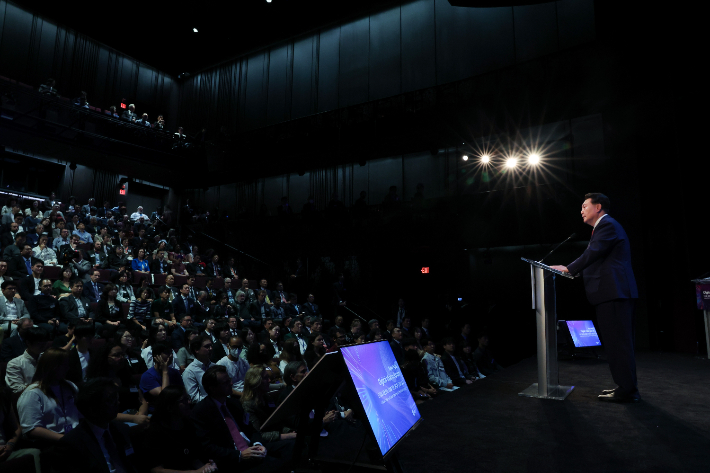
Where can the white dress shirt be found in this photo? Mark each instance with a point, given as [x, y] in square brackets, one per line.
[192, 379]
[20, 371]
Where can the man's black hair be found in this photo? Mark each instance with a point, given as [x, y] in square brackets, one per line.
[599, 198]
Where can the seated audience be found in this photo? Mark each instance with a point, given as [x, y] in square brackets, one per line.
[256, 387]
[46, 407]
[44, 310]
[156, 334]
[315, 350]
[414, 374]
[29, 286]
[62, 286]
[396, 345]
[184, 354]
[483, 357]
[237, 366]
[110, 311]
[192, 376]
[160, 375]
[43, 252]
[139, 313]
[14, 457]
[15, 345]
[296, 327]
[124, 290]
[454, 366]
[435, 368]
[21, 370]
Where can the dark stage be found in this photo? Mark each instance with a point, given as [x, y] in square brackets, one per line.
[487, 427]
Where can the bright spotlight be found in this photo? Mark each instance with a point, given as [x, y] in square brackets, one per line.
[511, 162]
[464, 157]
[534, 158]
[194, 30]
[485, 159]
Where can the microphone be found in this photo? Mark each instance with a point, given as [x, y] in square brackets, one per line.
[555, 248]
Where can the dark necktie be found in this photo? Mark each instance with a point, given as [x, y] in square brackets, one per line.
[29, 265]
[114, 456]
[239, 441]
[187, 306]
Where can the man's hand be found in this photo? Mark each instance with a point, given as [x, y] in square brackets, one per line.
[329, 417]
[256, 452]
[450, 385]
[560, 268]
[142, 421]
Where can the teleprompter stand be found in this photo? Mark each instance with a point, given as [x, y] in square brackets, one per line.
[542, 279]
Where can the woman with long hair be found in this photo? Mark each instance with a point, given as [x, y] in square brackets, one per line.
[62, 286]
[109, 311]
[256, 387]
[144, 283]
[172, 435]
[315, 350]
[139, 263]
[139, 311]
[157, 333]
[124, 291]
[46, 407]
[110, 362]
[131, 353]
[184, 354]
[291, 352]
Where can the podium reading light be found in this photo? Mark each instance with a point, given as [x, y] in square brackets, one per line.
[485, 159]
[511, 162]
[534, 159]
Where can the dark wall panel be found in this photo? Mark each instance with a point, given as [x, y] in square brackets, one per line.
[418, 45]
[494, 40]
[385, 69]
[535, 31]
[455, 42]
[328, 69]
[354, 59]
[303, 90]
[16, 36]
[575, 19]
[278, 74]
[257, 81]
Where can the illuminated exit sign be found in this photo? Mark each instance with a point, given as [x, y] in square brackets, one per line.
[425, 270]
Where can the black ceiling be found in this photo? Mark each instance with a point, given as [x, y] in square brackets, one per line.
[160, 33]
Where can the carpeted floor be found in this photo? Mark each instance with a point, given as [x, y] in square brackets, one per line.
[487, 427]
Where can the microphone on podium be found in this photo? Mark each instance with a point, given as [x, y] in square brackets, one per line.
[555, 248]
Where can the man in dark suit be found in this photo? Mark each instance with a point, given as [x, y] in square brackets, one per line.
[453, 365]
[97, 444]
[219, 422]
[396, 345]
[611, 288]
[97, 255]
[311, 307]
[183, 304]
[178, 336]
[75, 307]
[160, 264]
[213, 268]
[28, 286]
[93, 289]
[21, 266]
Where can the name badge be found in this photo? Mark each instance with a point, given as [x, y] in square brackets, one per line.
[51, 306]
[129, 451]
[134, 360]
[134, 389]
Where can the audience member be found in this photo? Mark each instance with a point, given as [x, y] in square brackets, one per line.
[236, 365]
[315, 350]
[192, 376]
[161, 374]
[455, 367]
[21, 370]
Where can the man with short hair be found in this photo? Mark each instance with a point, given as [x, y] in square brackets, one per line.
[14, 345]
[160, 264]
[237, 366]
[61, 240]
[129, 114]
[454, 366]
[97, 255]
[3, 272]
[43, 309]
[43, 252]
[21, 266]
[233, 326]
[396, 345]
[21, 369]
[435, 368]
[81, 232]
[259, 309]
[14, 250]
[33, 234]
[184, 304]
[611, 288]
[162, 308]
[310, 307]
[12, 308]
[192, 376]
[29, 285]
[213, 269]
[178, 335]
[75, 307]
[138, 214]
[8, 238]
[93, 289]
[296, 329]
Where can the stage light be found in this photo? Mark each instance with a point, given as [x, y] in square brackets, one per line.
[485, 159]
[511, 162]
[194, 30]
[464, 157]
[534, 158]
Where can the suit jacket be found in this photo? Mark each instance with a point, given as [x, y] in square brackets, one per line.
[19, 303]
[12, 347]
[17, 268]
[26, 287]
[211, 271]
[212, 430]
[179, 306]
[155, 266]
[91, 256]
[217, 352]
[450, 366]
[398, 351]
[79, 450]
[89, 291]
[69, 309]
[177, 338]
[606, 264]
[311, 309]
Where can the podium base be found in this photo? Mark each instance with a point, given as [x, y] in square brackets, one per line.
[558, 393]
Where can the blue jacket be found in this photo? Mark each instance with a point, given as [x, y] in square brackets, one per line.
[606, 264]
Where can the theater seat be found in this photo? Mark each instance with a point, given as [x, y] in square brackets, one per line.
[105, 276]
[159, 279]
[218, 283]
[52, 272]
[97, 343]
[200, 281]
[125, 308]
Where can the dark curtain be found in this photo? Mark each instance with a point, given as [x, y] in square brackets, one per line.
[105, 187]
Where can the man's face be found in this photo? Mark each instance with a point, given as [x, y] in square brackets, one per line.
[141, 233]
[75, 240]
[264, 283]
[298, 377]
[245, 283]
[297, 327]
[241, 297]
[429, 348]
[483, 341]
[466, 329]
[95, 277]
[397, 334]
[224, 385]
[590, 211]
[205, 350]
[450, 347]
[97, 246]
[3, 268]
[268, 324]
[316, 327]
[232, 323]
[9, 292]
[75, 219]
[39, 229]
[425, 323]
[76, 289]
[406, 322]
[169, 280]
[186, 321]
[215, 259]
[185, 290]
[279, 287]
[400, 303]
[190, 282]
[227, 283]
[311, 298]
[339, 321]
[14, 227]
[210, 325]
[37, 269]
[261, 297]
[375, 325]
[26, 251]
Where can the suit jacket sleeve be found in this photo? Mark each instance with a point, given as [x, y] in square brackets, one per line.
[601, 244]
[69, 310]
[207, 418]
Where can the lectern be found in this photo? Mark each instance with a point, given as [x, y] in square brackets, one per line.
[542, 279]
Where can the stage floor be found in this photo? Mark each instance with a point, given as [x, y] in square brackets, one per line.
[487, 427]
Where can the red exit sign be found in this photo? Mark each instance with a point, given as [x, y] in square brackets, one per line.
[425, 270]
[122, 190]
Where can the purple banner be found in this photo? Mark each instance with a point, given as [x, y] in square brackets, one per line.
[702, 296]
[390, 408]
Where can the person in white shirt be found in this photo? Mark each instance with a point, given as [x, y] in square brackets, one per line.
[44, 252]
[192, 376]
[138, 214]
[237, 366]
[21, 370]
[435, 368]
